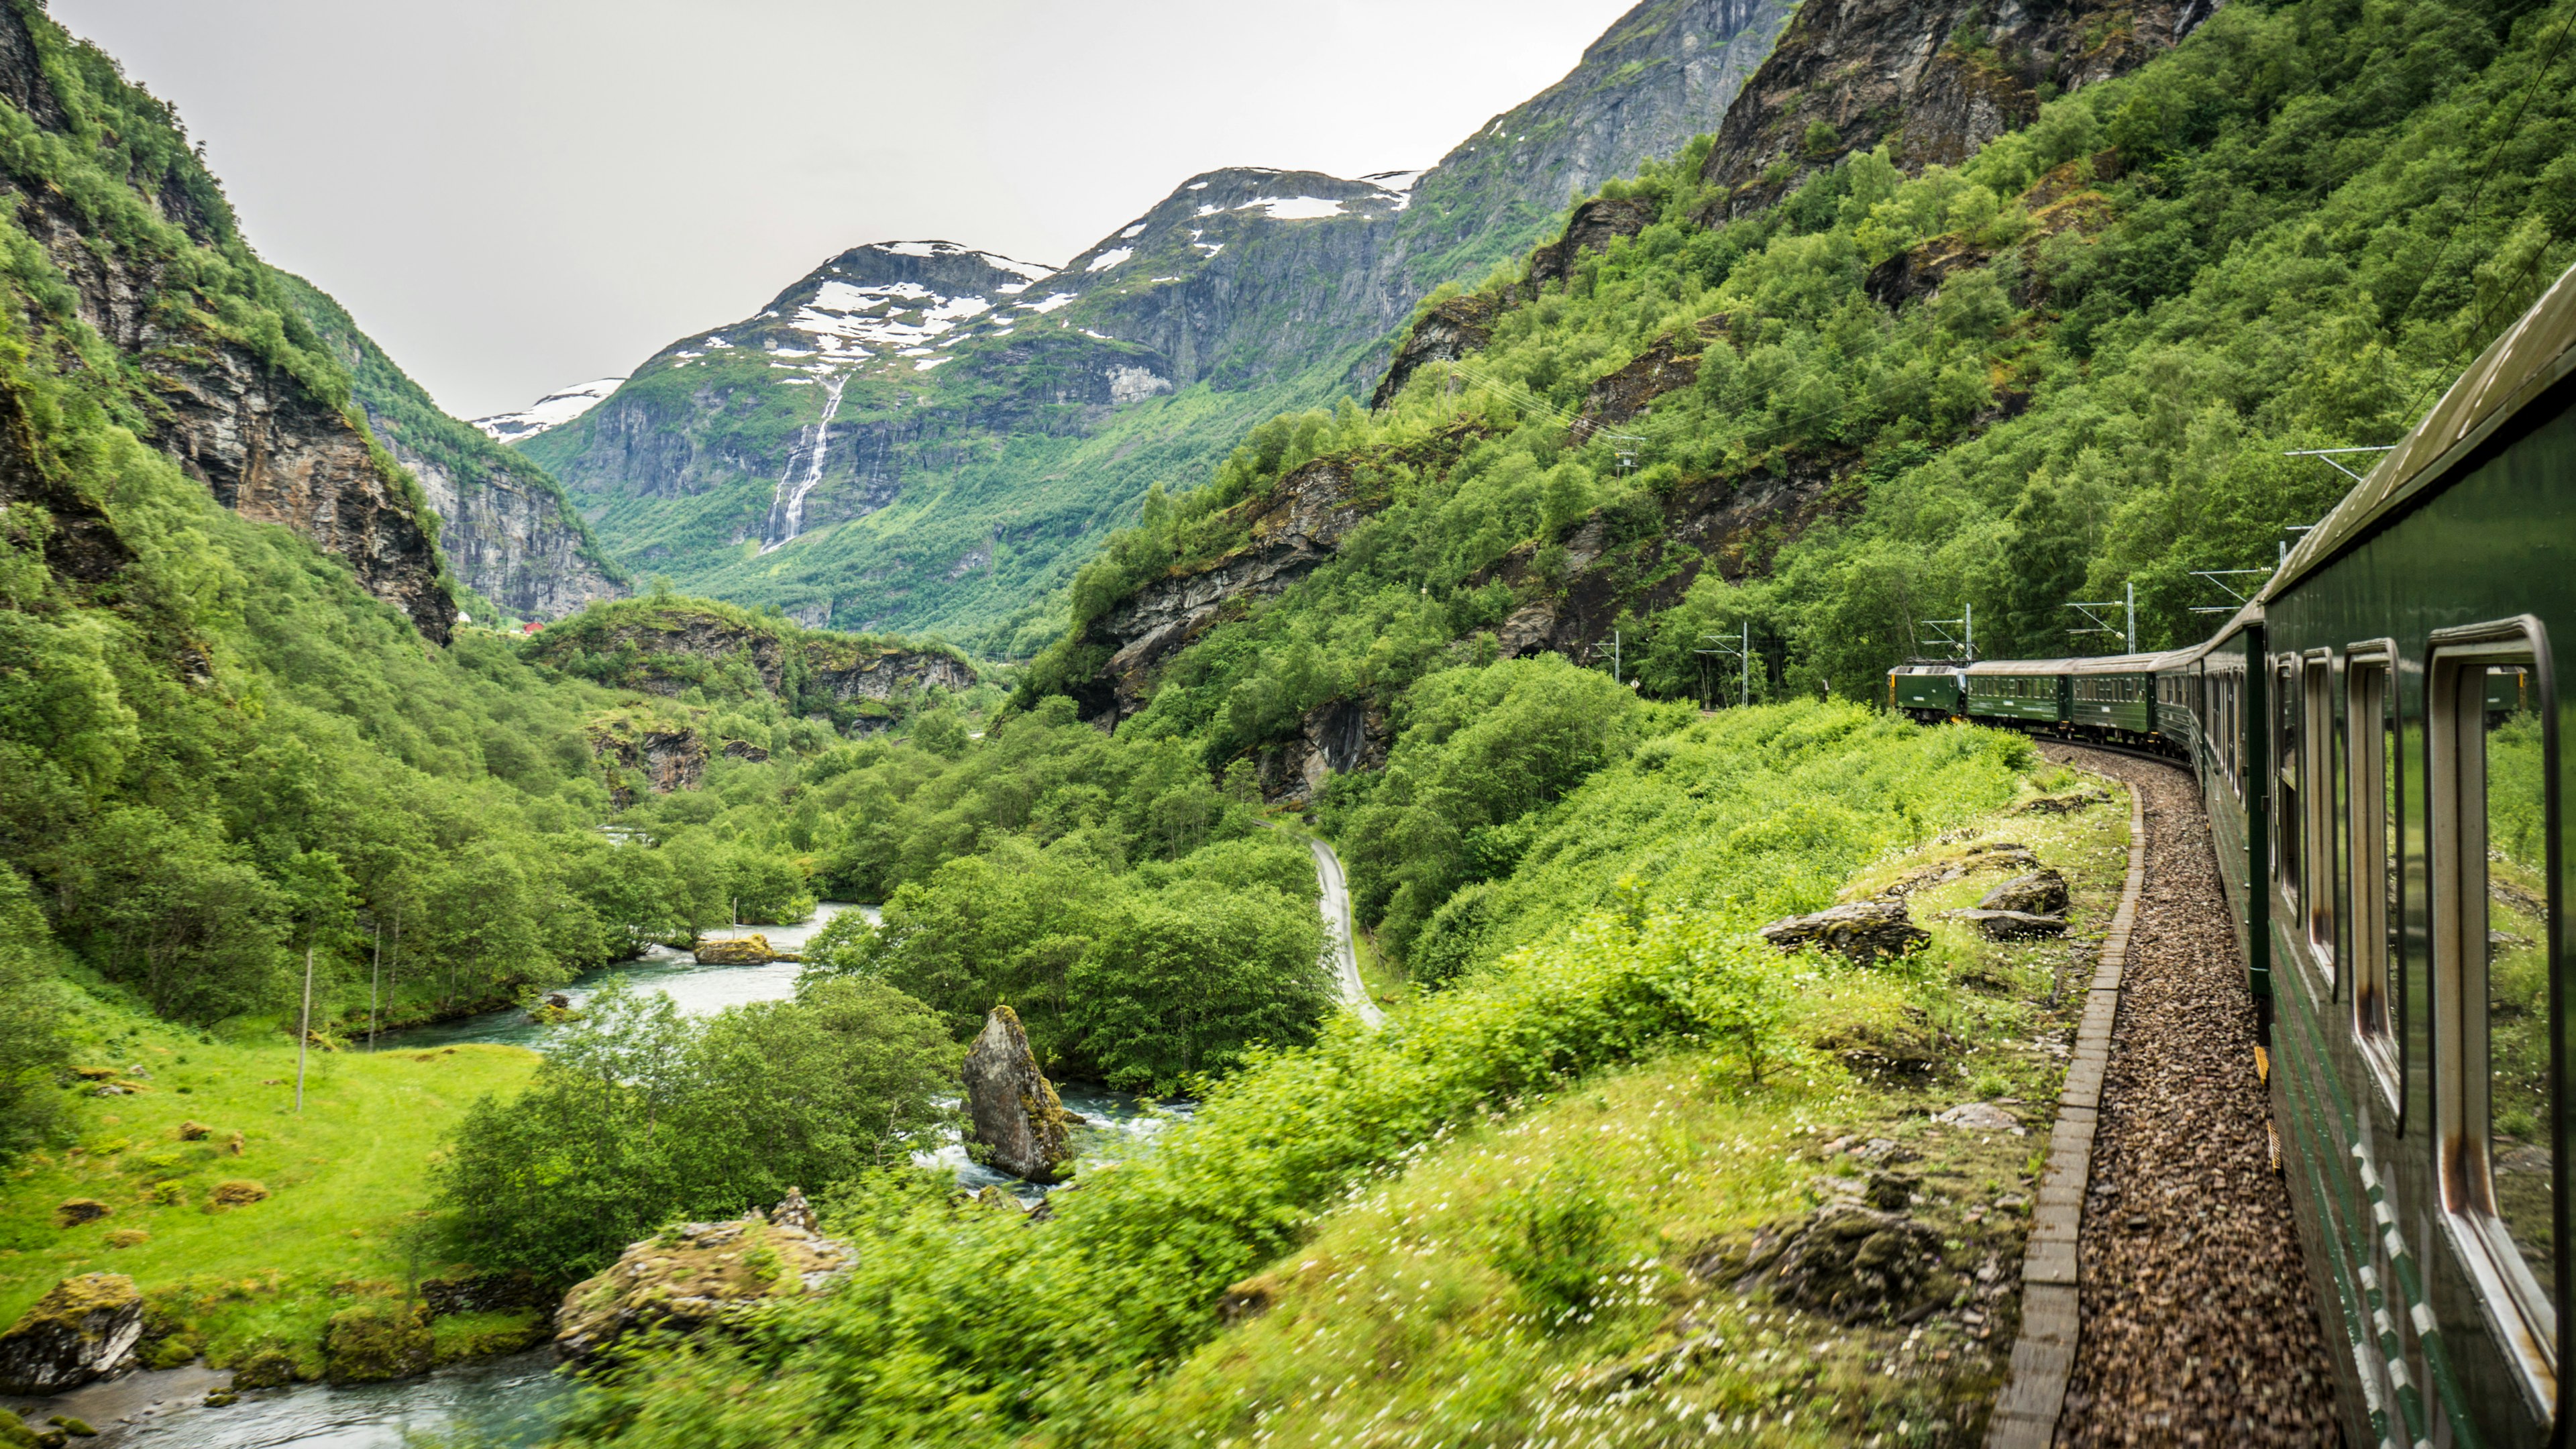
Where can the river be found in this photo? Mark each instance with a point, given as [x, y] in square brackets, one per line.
[516, 1401]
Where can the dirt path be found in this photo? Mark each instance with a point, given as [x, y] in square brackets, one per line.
[2196, 1322]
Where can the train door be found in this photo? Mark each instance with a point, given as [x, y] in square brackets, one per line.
[2494, 899]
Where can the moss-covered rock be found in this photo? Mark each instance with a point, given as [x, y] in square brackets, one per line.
[374, 1342]
[83, 1328]
[691, 1276]
[266, 1368]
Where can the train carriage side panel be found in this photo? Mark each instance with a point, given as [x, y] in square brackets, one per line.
[2420, 679]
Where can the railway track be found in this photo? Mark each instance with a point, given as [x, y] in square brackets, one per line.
[2195, 1319]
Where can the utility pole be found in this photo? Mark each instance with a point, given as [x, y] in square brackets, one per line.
[1966, 640]
[2098, 624]
[1614, 656]
[304, 1027]
[1741, 649]
[375, 984]
[2133, 616]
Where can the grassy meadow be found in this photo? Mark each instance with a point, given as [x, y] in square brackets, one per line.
[345, 1181]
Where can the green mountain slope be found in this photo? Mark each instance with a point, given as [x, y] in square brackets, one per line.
[994, 419]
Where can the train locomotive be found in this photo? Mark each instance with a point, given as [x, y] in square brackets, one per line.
[2375, 737]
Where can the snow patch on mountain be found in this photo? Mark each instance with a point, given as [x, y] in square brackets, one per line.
[551, 411]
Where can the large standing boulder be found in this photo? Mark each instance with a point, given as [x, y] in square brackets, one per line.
[1862, 931]
[1019, 1126]
[84, 1328]
[691, 1276]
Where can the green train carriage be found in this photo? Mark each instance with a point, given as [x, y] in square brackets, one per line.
[2376, 741]
[2021, 692]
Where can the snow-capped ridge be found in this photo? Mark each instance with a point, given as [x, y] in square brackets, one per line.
[551, 411]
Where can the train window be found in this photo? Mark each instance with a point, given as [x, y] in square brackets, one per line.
[2370, 786]
[2492, 908]
[2287, 818]
[2316, 821]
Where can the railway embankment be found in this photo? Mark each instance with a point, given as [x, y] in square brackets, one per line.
[2193, 1324]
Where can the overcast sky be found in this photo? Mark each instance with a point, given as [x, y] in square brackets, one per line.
[516, 195]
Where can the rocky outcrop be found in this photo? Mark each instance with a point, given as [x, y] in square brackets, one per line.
[1630, 392]
[1856, 1264]
[85, 1327]
[1018, 1125]
[508, 537]
[2041, 893]
[1934, 79]
[2062, 201]
[1578, 589]
[1290, 529]
[1333, 738]
[752, 950]
[1593, 226]
[670, 647]
[884, 674]
[270, 451]
[694, 1276]
[659, 760]
[1862, 931]
[1448, 330]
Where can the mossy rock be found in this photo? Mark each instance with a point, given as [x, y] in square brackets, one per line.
[77, 1428]
[268, 1368]
[176, 1351]
[83, 1328]
[377, 1341]
[240, 1192]
[74, 1211]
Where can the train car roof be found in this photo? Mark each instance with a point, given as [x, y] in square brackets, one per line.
[2018, 666]
[2088, 664]
[2533, 355]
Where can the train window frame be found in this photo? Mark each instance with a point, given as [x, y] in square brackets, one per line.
[2317, 852]
[2526, 1315]
[2374, 772]
[2287, 786]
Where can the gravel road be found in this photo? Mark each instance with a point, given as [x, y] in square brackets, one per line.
[2196, 1323]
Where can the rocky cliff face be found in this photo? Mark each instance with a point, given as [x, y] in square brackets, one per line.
[670, 647]
[1292, 528]
[1035, 403]
[1935, 79]
[506, 529]
[271, 440]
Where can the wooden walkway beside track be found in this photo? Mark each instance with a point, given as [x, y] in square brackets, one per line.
[2163, 1296]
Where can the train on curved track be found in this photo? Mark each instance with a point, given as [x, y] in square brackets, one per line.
[2376, 739]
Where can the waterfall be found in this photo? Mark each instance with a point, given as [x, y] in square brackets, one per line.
[787, 512]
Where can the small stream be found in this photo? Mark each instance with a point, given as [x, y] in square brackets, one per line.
[518, 1400]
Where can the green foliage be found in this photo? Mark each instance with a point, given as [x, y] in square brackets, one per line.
[974, 1328]
[1556, 1243]
[30, 1017]
[1481, 751]
[1145, 978]
[1188, 981]
[638, 1116]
